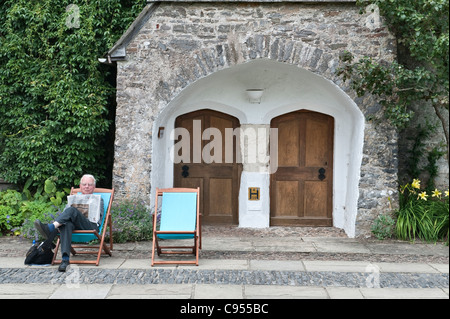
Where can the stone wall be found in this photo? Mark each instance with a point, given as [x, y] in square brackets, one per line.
[425, 116]
[4, 185]
[184, 42]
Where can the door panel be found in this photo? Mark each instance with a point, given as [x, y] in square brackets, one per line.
[315, 206]
[316, 135]
[288, 135]
[222, 204]
[287, 198]
[218, 181]
[302, 187]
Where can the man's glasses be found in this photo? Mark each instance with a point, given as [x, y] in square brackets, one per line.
[87, 184]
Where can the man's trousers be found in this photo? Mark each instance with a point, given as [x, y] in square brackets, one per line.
[72, 219]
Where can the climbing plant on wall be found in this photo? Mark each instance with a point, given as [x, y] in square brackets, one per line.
[422, 31]
[54, 93]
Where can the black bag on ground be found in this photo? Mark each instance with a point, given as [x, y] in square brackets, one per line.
[40, 253]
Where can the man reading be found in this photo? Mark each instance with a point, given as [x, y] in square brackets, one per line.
[83, 212]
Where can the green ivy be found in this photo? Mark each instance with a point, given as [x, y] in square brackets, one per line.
[54, 94]
[422, 31]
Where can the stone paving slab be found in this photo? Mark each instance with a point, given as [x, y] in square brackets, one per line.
[242, 264]
[411, 268]
[338, 266]
[151, 292]
[81, 291]
[27, 291]
[222, 292]
[294, 265]
[344, 293]
[341, 247]
[227, 244]
[404, 293]
[361, 266]
[443, 268]
[282, 245]
[11, 247]
[282, 292]
[408, 248]
[218, 292]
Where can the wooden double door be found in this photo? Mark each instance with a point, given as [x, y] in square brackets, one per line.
[301, 190]
[217, 177]
[302, 187]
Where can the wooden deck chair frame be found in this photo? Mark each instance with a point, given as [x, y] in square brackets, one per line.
[88, 235]
[196, 234]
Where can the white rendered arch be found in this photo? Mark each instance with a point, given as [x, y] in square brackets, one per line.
[287, 88]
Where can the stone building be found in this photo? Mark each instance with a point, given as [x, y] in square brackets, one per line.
[241, 98]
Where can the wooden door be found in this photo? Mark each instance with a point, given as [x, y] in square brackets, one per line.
[217, 177]
[302, 187]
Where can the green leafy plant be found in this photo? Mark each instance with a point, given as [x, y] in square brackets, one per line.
[43, 211]
[56, 197]
[132, 221]
[10, 215]
[422, 214]
[11, 198]
[9, 219]
[383, 227]
[18, 207]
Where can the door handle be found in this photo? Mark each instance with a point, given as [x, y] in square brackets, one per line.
[185, 171]
[322, 173]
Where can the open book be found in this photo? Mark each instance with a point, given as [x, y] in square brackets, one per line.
[89, 205]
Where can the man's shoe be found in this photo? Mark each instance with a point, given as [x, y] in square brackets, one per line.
[42, 228]
[63, 266]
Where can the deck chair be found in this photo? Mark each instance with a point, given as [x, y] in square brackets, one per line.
[180, 219]
[85, 236]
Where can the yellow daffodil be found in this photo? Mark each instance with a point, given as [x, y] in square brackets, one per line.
[446, 193]
[423, 196]
[436, 193]
[416, 183]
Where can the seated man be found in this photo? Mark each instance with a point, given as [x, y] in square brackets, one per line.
[70, 219]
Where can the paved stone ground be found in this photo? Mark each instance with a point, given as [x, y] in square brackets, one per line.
[238, 264]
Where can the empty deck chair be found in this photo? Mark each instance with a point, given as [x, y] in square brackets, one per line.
[85, 236]
[180, 219]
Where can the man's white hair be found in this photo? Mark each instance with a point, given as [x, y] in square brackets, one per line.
[89, 176]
